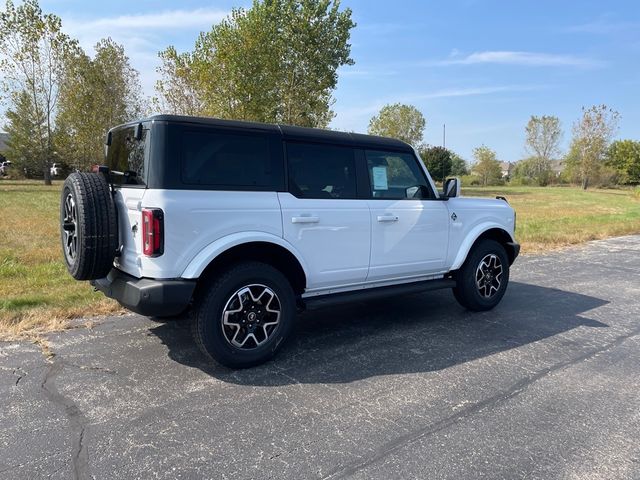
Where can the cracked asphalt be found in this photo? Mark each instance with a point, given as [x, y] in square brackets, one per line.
[544, 386]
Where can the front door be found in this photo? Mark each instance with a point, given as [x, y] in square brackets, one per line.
[409, 226]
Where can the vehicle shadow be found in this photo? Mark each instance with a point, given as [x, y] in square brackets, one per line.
[415, 333]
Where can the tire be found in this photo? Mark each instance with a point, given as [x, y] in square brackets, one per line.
[479, 285]
[246, 297]
[88, 226]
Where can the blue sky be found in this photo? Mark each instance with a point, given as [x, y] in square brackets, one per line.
[481, 67]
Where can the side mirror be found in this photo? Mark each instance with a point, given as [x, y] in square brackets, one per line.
[451, 188]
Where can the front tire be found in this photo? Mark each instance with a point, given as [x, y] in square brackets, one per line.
[244, 316]
[483, 278]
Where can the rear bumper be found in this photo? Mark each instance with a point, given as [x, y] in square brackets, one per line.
[515, 251]
[147, 296]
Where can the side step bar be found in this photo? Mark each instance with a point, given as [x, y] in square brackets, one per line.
[322, 301]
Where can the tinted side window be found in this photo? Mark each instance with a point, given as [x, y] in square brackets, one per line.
[225, 159]
[396, 175]
[321, 171]
[126, 154]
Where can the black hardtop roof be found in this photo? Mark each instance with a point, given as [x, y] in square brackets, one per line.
[288, 131]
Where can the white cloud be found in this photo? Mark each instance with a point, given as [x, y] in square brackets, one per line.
[472, 91]
[174, 19]
[142, 36]
[531, 59]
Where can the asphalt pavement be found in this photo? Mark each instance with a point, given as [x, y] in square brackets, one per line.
[544, 386]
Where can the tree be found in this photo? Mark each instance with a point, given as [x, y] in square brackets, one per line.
[486, 166]
[458, 165]
[438, 161]
[33, 47]
[543, 135]
[25, 146]
[275, 62]
[95, 95]
[624, 157]
[591, 137]
[404, 122]
[177, 90]
[526, 170]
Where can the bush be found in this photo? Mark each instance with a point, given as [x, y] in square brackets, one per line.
[469, 180]
[521, 181]
[607, 177]
[12, 172]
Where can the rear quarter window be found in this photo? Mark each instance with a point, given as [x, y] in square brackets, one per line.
[227, 160]
[128, 155]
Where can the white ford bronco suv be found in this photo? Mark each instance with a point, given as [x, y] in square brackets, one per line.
[244, 224]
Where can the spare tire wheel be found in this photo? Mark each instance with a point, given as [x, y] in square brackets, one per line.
[88, 226]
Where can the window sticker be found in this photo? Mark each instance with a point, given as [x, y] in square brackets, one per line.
[380, 178]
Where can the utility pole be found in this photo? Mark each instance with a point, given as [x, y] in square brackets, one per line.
[444, 145]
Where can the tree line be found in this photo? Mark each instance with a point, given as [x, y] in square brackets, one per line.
[60, 100]
[593, 158]
[274, 62]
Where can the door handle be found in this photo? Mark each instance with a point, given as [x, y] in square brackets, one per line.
[387, 218]
[305, 219]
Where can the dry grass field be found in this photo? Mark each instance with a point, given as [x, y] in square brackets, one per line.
[37, 294]
[553, 217]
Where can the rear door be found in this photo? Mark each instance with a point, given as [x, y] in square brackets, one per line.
[322, 216]
[409, 227]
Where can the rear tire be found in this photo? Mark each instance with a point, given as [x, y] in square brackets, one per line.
[244, 316]
[483, 278]
[88, 226]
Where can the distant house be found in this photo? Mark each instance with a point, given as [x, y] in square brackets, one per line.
[506, 168]
[557, 166]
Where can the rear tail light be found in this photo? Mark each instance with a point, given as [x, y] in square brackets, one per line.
[152, 232]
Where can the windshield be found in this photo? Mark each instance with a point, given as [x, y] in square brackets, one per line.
[127, 155]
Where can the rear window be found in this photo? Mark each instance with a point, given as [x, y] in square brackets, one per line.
[224, 159]
[127, 155]
[321, 171]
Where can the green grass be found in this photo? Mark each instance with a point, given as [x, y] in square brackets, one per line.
[37, 294]
[551, 217]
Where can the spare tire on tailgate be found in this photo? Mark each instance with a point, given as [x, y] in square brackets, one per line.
[88, 226]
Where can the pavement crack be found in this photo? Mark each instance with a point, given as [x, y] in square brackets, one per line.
[491, 402]
[19, 374]
[16, 372]
[76, 419]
